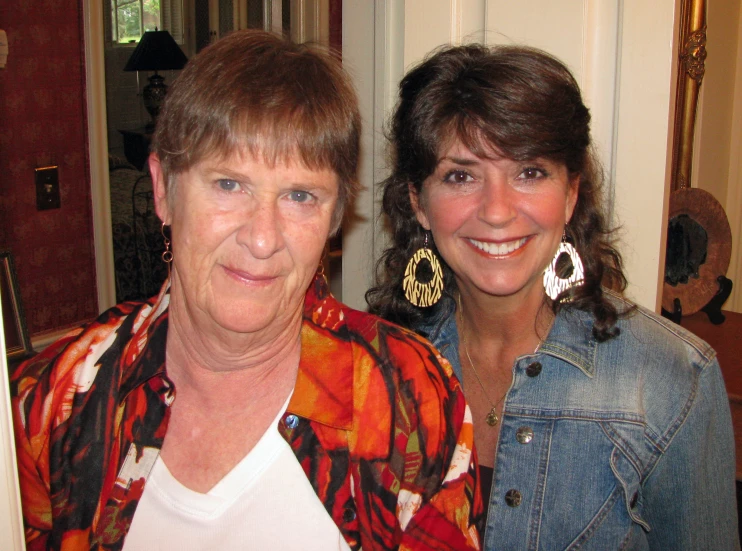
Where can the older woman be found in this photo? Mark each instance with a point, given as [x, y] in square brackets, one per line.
[598, 424]
[244, 407]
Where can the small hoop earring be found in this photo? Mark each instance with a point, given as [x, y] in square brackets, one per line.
[554, 285]
[321, 268]
[167, 255]
[420, 294]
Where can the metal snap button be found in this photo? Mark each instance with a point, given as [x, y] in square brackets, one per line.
[349, 515]
[292, 421]
[533, 369]
[513, 498]
[524, 435]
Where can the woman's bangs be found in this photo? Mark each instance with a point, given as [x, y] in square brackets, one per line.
[284, 139]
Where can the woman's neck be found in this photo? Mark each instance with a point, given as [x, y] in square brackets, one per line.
[517, 324]
[214, 361]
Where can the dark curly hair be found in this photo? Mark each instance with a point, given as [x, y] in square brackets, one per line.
[525, 104]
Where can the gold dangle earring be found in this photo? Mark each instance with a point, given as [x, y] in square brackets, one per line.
[167, 255]
[418, 293]
[321, 267]
[554, 284]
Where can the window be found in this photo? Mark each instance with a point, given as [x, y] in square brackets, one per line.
[131, 18]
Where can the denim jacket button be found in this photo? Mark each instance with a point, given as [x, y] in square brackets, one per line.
[524, 435]
[292, 421]
[513, 498]
[533, 369]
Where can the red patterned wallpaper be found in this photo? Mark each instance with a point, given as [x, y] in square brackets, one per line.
[42, 122]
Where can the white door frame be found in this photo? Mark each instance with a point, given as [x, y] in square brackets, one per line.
[95, 86]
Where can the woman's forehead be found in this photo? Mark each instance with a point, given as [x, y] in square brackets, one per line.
[459, 146]
[271, 157]
[242, 164]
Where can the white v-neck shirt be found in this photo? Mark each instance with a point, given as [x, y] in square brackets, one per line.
[264, 502]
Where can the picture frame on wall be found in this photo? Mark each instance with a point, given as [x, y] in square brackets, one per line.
[17, 341]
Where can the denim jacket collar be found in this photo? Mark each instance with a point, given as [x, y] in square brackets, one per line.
[570, 339]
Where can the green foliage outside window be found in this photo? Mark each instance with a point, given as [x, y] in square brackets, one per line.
[133, 17]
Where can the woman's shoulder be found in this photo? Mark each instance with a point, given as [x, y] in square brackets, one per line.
[64, 361]
[651, 335]
[405, 348]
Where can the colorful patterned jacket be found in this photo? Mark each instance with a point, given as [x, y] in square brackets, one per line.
[380, 428]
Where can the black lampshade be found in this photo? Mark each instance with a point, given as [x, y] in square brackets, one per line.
[156, 51]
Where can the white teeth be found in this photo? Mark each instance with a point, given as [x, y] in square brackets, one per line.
[498, 249]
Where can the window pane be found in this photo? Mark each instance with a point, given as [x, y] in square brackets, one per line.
[129, 22]
[151, 15]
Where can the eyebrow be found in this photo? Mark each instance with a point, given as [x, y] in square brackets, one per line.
[220, 171]
[466, 161]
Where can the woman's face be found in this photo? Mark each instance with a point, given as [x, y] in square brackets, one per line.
[247, 238]
[496, 222]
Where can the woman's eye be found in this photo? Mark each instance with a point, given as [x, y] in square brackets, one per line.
[300, 196]
[228, 185]
[531, 174]
[458, 177]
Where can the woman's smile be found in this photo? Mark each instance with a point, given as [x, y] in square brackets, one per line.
[249, 277]
[499, 249]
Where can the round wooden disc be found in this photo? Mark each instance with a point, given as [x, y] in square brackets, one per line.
[703, 208]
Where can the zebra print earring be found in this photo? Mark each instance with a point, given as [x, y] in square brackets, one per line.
[554, 285]
[428, 293]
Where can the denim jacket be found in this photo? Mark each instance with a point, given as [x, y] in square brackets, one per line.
[625, 444]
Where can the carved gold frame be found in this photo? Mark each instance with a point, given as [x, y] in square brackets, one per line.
[691, 60]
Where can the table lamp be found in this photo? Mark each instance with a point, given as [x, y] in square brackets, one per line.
[156, 51]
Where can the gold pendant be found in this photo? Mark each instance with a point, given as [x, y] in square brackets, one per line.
[492, 418]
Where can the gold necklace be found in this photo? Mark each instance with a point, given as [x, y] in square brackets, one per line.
[492, 418]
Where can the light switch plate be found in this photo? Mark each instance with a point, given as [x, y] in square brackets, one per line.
[47, 188]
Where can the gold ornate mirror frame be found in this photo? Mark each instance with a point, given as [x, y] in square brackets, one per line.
[692, 61]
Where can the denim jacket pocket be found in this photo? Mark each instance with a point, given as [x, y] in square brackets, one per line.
[630, 481]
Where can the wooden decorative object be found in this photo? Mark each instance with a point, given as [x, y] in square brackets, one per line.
[703, 208]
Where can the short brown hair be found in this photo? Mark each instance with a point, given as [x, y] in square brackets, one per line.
[257, 92]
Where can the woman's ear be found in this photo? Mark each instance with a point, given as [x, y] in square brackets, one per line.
[159, 187]
[417, 207]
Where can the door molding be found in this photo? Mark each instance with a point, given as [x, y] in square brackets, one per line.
[100, 199]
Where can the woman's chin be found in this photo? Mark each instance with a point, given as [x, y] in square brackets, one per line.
[233, 318]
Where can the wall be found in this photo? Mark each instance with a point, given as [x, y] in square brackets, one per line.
[713, 121]
[43, 121]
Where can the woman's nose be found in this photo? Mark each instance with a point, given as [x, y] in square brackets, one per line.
[497, 203]
[261, 232]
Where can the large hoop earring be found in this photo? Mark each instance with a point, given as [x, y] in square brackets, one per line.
[420, 294]
[555, 285]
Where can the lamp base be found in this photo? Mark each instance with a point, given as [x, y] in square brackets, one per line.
[153, 95]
